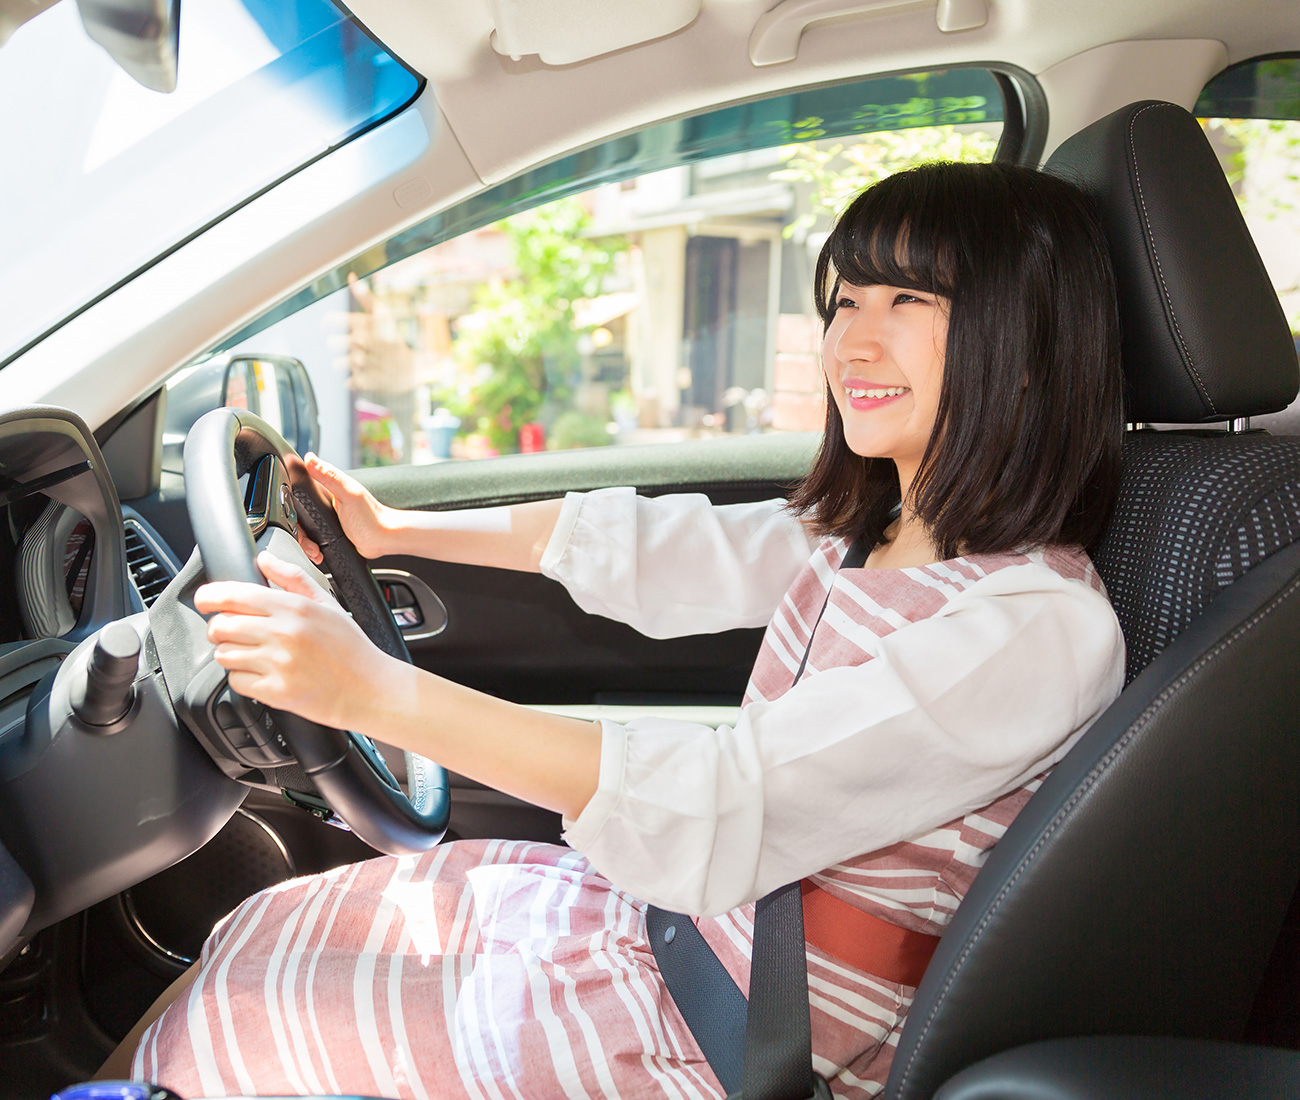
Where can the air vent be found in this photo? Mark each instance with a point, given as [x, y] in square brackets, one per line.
[148, 569]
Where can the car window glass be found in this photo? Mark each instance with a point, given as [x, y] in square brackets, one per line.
[656, 305]
[103, 176]
[1251, 114]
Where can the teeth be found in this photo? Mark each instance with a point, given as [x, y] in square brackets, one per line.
[893, 391]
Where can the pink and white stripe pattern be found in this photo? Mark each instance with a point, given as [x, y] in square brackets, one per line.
[498, 970]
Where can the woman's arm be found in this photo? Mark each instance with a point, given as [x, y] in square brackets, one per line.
[676, 564]
[939, 718]
[668, 566]
[297, 650]
[509, 537]
[949, 713]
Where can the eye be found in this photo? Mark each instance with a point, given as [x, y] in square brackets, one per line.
[903, 297]
[845, 302]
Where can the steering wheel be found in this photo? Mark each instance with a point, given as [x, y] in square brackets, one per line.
[222, 447]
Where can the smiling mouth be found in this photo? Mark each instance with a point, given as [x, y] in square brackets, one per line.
[875, 394]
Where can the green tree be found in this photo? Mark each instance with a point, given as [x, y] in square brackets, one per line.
[1261, 157]
[525, 348]
[838, 170]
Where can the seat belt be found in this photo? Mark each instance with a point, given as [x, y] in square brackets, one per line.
[760, 1049]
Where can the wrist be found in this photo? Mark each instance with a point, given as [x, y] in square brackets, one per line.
[392, 529]
[383, 700]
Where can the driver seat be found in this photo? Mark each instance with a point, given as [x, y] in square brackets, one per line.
[1141, 890]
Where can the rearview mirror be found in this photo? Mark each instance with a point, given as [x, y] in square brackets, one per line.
[275, 387]
[143, 36]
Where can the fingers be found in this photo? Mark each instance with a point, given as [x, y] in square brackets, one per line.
[309, 547]
[291, 578]
[252, 685]
[332, 479]
[241, 598]
[237, 597]
[226, 630]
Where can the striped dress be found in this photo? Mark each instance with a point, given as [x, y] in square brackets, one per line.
[509, 970]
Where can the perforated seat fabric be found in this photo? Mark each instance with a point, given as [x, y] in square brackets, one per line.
[1199, 510]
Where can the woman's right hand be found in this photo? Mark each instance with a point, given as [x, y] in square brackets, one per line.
[366, 522]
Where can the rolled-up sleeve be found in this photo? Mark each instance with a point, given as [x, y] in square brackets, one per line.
[677, 564]
[947, 715]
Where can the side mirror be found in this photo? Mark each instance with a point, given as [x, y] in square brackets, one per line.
[275, 387]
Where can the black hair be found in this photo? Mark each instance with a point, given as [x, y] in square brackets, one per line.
[1025, 449]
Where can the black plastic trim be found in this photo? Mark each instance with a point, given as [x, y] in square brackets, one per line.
[1025, 115]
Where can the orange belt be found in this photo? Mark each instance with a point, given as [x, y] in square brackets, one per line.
[863, 941]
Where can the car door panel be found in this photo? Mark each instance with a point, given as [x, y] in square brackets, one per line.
[521, 637]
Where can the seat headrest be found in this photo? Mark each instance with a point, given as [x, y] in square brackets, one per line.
[1205, 337]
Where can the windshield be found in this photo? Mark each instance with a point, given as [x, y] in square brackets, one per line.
[104, 176]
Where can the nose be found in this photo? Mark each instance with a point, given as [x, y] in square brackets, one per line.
[859, 338]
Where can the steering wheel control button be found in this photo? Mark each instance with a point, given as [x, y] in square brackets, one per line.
[269, 499]
[287, 510]
[235, 711]
[105, 694]
[248, 730]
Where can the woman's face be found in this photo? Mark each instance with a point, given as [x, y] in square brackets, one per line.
[883, 359]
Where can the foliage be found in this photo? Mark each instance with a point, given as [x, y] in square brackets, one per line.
[379, 442]
[1271, 147]
[525, 347]
[905, 115]
[1261, 157]
[838, 171]
[574, 428]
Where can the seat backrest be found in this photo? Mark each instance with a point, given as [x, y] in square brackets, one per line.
[1141, 889]
[1196, 512]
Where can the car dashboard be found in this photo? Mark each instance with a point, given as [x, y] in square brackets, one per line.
[89, 808]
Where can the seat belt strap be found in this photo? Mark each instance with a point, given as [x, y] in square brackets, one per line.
[770, 1037]
[705, 994]
[778, 1029]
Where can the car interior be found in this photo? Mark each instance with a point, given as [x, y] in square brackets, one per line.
[1136, 932]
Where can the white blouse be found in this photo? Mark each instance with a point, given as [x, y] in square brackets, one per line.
[942, 716]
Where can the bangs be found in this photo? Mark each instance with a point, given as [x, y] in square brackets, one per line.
[1025, 447]
[901, 232]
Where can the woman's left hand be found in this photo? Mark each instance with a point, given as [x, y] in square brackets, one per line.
[294, 649]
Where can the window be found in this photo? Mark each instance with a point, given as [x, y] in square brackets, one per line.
[1251, 114]
[103, 176]
[654, 288]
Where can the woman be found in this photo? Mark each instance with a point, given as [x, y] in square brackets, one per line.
[899, 714]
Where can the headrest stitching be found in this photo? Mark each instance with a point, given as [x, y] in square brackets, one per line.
[1169, 303]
